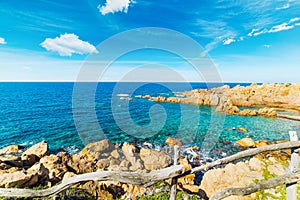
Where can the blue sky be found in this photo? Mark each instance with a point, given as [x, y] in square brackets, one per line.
[248, 40]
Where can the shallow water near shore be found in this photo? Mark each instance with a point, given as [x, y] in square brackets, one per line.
[31, 112]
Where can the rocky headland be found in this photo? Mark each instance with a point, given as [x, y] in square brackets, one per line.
[36, 168]
[264, 100]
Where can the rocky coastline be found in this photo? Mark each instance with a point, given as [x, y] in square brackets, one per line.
[264, 100]
[36, 168]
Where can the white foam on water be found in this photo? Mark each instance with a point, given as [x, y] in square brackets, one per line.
[122, 95]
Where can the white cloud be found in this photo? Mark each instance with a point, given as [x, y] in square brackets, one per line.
[252, 32]
[228, 41]
[68, 44]
[277, 28]
[285, 6]
[256, 32]
[280, 27]
[267, 45]
[2, 40]
[260, 32]
[294, 19]
[112, 6]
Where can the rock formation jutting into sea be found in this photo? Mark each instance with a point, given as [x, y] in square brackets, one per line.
[266, 98]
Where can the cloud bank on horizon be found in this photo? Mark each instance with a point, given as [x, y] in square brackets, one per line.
[231, 32]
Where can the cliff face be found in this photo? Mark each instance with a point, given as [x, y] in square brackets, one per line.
[228, 99]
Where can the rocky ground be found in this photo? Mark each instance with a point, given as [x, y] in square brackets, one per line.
[268, 97]
[36, 168]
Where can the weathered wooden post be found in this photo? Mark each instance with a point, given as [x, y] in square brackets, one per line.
[174, 180]
[291, 190]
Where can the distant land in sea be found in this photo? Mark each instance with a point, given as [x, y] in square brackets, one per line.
[34, 111]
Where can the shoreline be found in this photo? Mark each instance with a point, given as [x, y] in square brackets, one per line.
[36, 167]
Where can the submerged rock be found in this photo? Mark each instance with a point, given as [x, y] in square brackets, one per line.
[126, 98]
[246, 142]
[243, 130]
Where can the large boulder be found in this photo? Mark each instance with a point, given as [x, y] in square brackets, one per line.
[41, 171]
[80, 165]
[38, 151]
[10, 158]
[154, 160]
[18, 179]
[97, 150]
[56, 167]
[233, 175]
[240, 175]
[95, 189]
[12, 149]
[131, 154]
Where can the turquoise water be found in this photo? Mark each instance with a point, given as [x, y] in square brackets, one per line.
[31, 112]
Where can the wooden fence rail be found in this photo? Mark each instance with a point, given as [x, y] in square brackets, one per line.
[176, 171]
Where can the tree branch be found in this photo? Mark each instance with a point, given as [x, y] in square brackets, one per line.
[121, 176]
[246, 153]
[288, 178]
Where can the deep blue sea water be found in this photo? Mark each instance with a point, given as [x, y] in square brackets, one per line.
[32, 112]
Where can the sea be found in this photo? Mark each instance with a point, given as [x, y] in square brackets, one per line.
[67, 119]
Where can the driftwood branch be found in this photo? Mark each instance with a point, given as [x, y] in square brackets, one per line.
[288, 178]
[246, 153]
[121, 176]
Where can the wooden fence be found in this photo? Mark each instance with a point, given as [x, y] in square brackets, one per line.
[176, 171]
